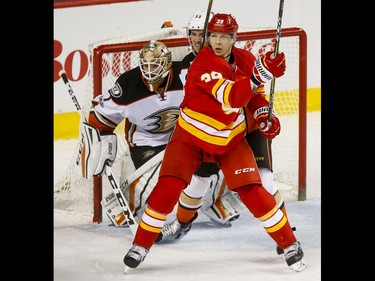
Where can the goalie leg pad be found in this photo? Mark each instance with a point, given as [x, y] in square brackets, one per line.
[144, 185]
[136, 193]
[98, 151]
[220, 204]
[226, 208]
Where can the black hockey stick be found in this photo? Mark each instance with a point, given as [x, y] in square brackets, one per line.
[272, 89]
[108, 171]
[206, 24]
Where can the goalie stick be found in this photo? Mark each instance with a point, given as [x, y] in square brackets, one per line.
[108, 171]
[144, 168]
[272, 89]
[108, 199]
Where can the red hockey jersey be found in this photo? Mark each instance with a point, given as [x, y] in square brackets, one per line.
[215, 92]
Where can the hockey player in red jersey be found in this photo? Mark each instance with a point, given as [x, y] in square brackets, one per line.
[212, 121]
[221, 205]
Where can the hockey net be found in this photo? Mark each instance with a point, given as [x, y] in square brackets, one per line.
[110, 58]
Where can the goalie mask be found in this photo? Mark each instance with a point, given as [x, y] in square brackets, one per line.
[155, 61]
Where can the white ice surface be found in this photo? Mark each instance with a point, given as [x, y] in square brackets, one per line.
[86, 251]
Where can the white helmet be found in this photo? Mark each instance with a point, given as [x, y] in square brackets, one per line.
[196, 23]
[155, 61]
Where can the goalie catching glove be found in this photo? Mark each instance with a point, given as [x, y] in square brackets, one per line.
[268, 66]
[98, 150]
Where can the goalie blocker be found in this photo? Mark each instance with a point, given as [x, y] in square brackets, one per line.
[98, 150]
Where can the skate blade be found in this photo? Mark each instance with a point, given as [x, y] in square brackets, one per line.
[299, 266]
[126, 269]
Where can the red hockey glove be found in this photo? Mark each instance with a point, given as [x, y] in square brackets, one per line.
[267, 66]
[271, 130]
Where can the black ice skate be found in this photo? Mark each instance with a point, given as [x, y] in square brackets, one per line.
[135, 256]
[294, 257]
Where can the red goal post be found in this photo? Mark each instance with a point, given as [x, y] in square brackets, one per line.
[112, 57]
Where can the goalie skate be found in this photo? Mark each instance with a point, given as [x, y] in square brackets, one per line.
[226, 209]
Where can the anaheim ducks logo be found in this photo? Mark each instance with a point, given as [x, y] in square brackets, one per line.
[163, 120]
[116, 91]
[148, 154]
